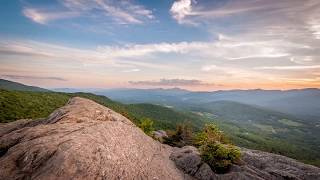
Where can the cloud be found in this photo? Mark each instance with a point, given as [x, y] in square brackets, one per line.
[171, 82]
[235, 49]
[124, 12]
[131, 70]
[32, 77]
[223, 50]
[302, 59]
[243, 58]
[209, 67]
[289, 67]
[180, 9]
[279, 17]
[43, 17]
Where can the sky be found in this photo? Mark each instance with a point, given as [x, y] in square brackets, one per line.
[198, 45]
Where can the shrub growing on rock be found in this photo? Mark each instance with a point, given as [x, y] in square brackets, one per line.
[219, 156]
[147, 126]
[216, 150]
[210, 133]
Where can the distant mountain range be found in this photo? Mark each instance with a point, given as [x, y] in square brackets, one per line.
[304, 103]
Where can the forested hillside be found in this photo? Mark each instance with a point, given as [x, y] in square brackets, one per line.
[20, 104]
[10, 85]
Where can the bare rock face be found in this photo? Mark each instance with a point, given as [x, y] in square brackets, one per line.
[256, 165]
[82, 140]
[159, 135]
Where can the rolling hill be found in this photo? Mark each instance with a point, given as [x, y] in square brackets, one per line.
[302, 103]
[10, 85]
[264, 129]
[24, 104]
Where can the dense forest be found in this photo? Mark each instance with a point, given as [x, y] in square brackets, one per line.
[32, 105]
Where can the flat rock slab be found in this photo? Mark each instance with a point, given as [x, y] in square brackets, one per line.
[255, 165]
[82, 140]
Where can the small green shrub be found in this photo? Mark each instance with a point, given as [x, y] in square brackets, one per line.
[216, 150]
[210, 133]
[146, 125]
[220, 156]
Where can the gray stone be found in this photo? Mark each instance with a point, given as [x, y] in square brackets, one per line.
[187, 159]
[83, 140]
[256, 165]
[159, 135]
[205, 173]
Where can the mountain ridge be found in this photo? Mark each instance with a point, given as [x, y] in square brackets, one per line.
[6, 84]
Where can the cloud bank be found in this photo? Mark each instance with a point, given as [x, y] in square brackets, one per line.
[19, 77]
[171, 82]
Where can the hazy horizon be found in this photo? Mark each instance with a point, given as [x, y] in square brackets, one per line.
[198, 45]
[94, 89]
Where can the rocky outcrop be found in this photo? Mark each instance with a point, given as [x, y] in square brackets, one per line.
[82, 140]
[256, 165]
[159, 135]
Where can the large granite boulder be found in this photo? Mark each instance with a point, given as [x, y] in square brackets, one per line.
[82, 140]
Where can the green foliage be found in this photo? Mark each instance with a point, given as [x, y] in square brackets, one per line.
[220, 156]
[297, 143]
[19, 105]
[215, 150]
[9, 85]
[164, 118]
[210, 133]
[28, 105]
[182, 136]
[146, 125]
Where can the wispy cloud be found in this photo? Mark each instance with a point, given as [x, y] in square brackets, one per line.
[279, 17]
[172, 82]
[131, 70]
[231, 49]
[19, 77]
[288, 67]
[42, 16]
[124, 12]
[209, 67]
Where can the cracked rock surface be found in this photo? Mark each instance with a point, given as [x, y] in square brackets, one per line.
[82, 140]
[256, 165]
